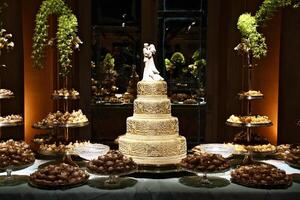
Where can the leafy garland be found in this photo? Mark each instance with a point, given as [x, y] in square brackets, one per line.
[252, 41]
[66, 34]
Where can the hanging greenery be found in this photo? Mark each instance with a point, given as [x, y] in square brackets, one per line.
[252, 41]
[66, 37]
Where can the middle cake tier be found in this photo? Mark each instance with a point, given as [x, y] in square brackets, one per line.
[152, 126]
[150, 106]
[153, 150]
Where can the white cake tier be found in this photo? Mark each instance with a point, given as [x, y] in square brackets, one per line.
[153, 150]
[154, 126]
[152, 88]
[152, 106]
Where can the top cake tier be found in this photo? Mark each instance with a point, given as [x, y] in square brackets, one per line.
[152, 88]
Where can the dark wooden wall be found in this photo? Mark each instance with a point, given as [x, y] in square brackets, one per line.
[12, 77]
[289, 83]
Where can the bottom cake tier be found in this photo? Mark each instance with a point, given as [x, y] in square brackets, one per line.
[159, 151]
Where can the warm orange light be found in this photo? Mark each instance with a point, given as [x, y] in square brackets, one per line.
[38, 84]
[266, 79]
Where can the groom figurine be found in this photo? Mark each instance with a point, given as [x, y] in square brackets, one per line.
[150, 71]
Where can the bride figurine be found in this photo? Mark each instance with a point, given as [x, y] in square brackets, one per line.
[150, 71]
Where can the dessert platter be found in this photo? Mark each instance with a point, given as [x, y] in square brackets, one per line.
[59, 119]
[204, 163]
[182, 98]
[112, 165]
[249, 121]
[292, 157]
[60, 148]
[58, 176]
[260, 175]
[6, 94]
[266, 149]
[256, 139]
[251, 95]
[11, 120]
[14, 155]
[65, 93]
[282, 150]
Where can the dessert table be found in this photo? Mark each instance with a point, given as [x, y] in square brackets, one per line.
[156, 187]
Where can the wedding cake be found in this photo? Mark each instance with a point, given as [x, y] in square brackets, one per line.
[152, 136]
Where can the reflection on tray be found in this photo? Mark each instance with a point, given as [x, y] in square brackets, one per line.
[101, 183]
[208, 182]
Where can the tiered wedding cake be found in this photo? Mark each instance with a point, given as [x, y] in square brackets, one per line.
[152, 133]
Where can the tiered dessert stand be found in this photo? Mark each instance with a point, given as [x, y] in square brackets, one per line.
[247, 127]
[12, 123]
[55, 128]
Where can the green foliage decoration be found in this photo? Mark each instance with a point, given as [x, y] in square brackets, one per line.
[178, 59]
[252, 41]
[251, 38]
[198, 66]
[66, 34]
[269, 7]
[108, 62]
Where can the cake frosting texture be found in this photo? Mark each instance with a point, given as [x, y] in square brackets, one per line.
[152, 136]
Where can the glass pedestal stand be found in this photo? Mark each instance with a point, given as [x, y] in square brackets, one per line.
[12, 180]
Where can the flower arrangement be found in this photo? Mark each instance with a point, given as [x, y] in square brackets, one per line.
[252, 41]
[66, 36]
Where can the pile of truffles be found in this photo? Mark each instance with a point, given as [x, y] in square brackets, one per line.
[112, 163]
[5, 92]
[15, 153]
[64, 92]
[293, 156]
[260, 175]
[205, 162]
[241, 138]
[58, 175]
[58, 118]
[11, 119]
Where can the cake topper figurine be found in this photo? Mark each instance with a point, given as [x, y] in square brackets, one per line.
[150, 71]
